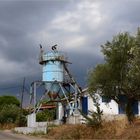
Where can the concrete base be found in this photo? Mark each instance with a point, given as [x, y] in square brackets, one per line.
[33, 126]
[31, 120]
[31, 130]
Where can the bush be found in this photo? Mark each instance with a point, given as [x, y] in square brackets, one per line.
[46, 115]
[6, 100]
[21, 119]
[9, 113]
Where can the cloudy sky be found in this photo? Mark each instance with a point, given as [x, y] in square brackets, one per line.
[79, 27]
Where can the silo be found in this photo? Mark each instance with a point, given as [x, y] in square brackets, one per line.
[60, 85]
[53, 71]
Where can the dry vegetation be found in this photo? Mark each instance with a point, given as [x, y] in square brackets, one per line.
[118, 129]
[7, 126]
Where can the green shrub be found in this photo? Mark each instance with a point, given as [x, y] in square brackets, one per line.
[21, 119]
[9, 113]
[46, 115]
[6, 100]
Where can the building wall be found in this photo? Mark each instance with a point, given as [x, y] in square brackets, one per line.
[111, 107]
[138, 108]
[108, 108]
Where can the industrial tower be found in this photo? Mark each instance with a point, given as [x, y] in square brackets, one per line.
[59, 84]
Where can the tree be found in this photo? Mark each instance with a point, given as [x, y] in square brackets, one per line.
[6, 100]
[10, 112]
[120, 73]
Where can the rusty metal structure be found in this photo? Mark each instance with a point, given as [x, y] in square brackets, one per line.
[60, 86]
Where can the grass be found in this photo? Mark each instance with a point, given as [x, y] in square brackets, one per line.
[117, 129]
[108, 130]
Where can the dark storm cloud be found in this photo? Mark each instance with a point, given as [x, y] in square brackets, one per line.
[81, 64]
[19, 52]
[20, 18]
[78, 27]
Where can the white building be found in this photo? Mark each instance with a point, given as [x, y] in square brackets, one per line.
[109, 107]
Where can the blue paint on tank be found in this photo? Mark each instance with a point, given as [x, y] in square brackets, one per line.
[53, 69]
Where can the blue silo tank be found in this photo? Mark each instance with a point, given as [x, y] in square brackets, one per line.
[53, 69]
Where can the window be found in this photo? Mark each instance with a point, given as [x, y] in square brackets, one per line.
[105, 99]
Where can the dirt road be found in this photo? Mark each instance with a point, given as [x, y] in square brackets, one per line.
[7, 135]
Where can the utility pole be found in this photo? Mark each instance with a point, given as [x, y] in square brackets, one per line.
[22, 93]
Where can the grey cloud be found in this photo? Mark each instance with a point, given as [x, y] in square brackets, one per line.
[20, 18]
[81, 64]
[26, 24]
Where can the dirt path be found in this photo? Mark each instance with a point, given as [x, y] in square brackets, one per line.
[8, 135]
